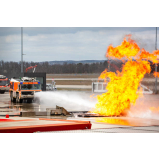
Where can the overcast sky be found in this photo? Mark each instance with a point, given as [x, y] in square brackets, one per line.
[69, 43]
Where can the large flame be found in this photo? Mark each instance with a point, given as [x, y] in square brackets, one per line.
[122, 87]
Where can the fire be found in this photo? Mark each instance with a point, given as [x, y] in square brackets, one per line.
[114, 121]
[122, 87]
[126, 49]
[156, 74]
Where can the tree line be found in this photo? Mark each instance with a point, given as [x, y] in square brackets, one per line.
[15, 67]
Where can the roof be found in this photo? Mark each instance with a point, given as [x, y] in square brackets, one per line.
[3, 77]
[24, 79]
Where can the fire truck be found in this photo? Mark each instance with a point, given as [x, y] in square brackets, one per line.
[4, 84]
[23, 89]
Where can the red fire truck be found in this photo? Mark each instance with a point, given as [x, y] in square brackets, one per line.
[4, 84]
[23, 89]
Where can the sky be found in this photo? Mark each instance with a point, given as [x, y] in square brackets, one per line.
[69, 43]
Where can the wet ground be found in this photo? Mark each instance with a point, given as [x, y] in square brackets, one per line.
[12, 108]
[146, 122]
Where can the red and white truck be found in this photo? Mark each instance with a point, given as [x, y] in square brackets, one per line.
[23, 89]
[4, 84]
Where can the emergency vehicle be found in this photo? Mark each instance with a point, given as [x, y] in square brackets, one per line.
[23, 89]
[4, 84]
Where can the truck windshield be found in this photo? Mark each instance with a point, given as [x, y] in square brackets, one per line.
[30, 86]
[3, 83]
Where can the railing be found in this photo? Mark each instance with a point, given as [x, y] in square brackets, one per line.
[101, 87]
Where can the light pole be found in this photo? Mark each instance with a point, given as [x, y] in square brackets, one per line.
[21, 49]
[156, 64]
[109, 65]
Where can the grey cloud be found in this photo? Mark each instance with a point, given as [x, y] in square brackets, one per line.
[82, 44]
[63, 30]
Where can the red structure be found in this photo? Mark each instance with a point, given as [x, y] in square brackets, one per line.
[50, 125]
[31, 68]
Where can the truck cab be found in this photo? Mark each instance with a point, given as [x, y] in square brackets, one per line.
[4, 84]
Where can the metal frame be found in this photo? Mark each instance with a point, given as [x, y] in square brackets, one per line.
[101, 88]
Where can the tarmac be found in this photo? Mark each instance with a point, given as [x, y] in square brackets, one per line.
[98, 124]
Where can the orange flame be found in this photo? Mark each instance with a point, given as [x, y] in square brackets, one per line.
[122, 88]
[126, 49]
[153, 57]
[156, 74]
[114, 121]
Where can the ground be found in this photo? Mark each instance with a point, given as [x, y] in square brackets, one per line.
[133, 123]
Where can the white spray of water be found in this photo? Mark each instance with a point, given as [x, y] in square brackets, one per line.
[81, 101]
[142, 109]
[70, 100]
[144, 114]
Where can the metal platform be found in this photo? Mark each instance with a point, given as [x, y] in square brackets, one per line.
[100, 87]
[31, 125]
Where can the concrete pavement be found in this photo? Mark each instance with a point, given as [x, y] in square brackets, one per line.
[99, 124]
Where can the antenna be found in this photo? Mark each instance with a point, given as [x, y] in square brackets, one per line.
[156, 64]
[21, 49]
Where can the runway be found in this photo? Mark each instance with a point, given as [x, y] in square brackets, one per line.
[128, 124]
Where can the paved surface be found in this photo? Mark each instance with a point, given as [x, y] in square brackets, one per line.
[94, 79]
[99, 124]
[75, 79]
[114, 130]
[75, 86]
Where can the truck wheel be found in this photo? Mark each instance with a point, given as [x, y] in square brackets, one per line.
[17, 98]
[2, 92]
[29, 100]
[12, 98]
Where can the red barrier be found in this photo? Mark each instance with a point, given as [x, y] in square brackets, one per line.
[71, 125]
